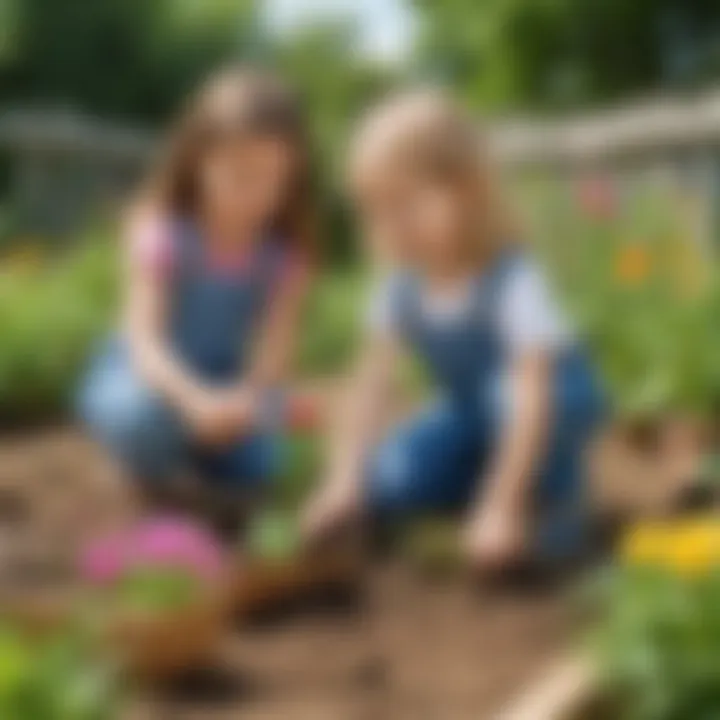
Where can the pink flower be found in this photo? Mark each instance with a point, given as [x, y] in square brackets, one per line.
[160, 543]
[178, 543]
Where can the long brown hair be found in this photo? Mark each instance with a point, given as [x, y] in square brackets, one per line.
[236, 101]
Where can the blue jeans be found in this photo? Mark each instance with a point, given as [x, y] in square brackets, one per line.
[434, 461]
[149, 438]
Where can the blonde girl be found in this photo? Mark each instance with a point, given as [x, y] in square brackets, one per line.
[516, 401]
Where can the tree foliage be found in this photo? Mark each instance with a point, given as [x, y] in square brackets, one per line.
[119, 58]
[558, 53]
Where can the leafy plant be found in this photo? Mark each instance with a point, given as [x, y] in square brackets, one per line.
[55, 678]
[301, 462]
[51, 314]
[333, 327]
[639, 284]
[659, 643]
[274, 536]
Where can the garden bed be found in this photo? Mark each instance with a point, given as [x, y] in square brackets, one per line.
[408, 649]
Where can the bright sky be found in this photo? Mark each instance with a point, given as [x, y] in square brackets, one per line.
[386, 26]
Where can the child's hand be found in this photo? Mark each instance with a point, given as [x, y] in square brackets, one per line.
[245, 403]
[496, 536]
[329, 508]
[219, 417]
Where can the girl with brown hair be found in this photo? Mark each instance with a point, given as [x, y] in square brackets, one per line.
[220, 242]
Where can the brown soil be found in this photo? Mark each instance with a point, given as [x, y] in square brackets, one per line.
[411, 648]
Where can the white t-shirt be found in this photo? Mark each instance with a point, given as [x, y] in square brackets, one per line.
[529, 318]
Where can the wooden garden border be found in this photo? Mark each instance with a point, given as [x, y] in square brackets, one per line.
[565, 692]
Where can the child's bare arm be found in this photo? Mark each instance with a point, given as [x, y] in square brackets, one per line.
[210, 415]
[358, 418]
[498, 519]
[146, 323]
[362, 411]
[273, 356]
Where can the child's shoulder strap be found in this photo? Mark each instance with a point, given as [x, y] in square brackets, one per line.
[403, 289]
[272, 257]
[186, 247]
[504, 266]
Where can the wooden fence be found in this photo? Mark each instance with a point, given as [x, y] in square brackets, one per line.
[671, 145]
[64, 166]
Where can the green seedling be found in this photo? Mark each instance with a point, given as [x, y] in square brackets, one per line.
[274, 537]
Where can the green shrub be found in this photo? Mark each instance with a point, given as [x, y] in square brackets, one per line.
[331, 330]
[640, 284]
[50, 316]
[659, 640]
[660, 645]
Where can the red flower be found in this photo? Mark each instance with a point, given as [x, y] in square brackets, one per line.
[304, 413]
[597, 197]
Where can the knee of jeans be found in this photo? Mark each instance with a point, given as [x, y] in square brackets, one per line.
[254, 462]
[390, 477]
[122, 412]
[575, 413]
[265, 463]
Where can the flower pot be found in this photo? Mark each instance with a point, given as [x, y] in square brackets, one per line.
[156, 646]
[161, 594]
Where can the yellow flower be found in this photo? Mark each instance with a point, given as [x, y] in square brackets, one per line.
[696, 547]
[645, 544]
[688, 547]
[632, 265]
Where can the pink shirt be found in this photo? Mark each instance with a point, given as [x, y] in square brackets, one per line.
[153, 250]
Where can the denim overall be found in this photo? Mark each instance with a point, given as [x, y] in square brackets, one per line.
[213, 319]
[434, 461]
